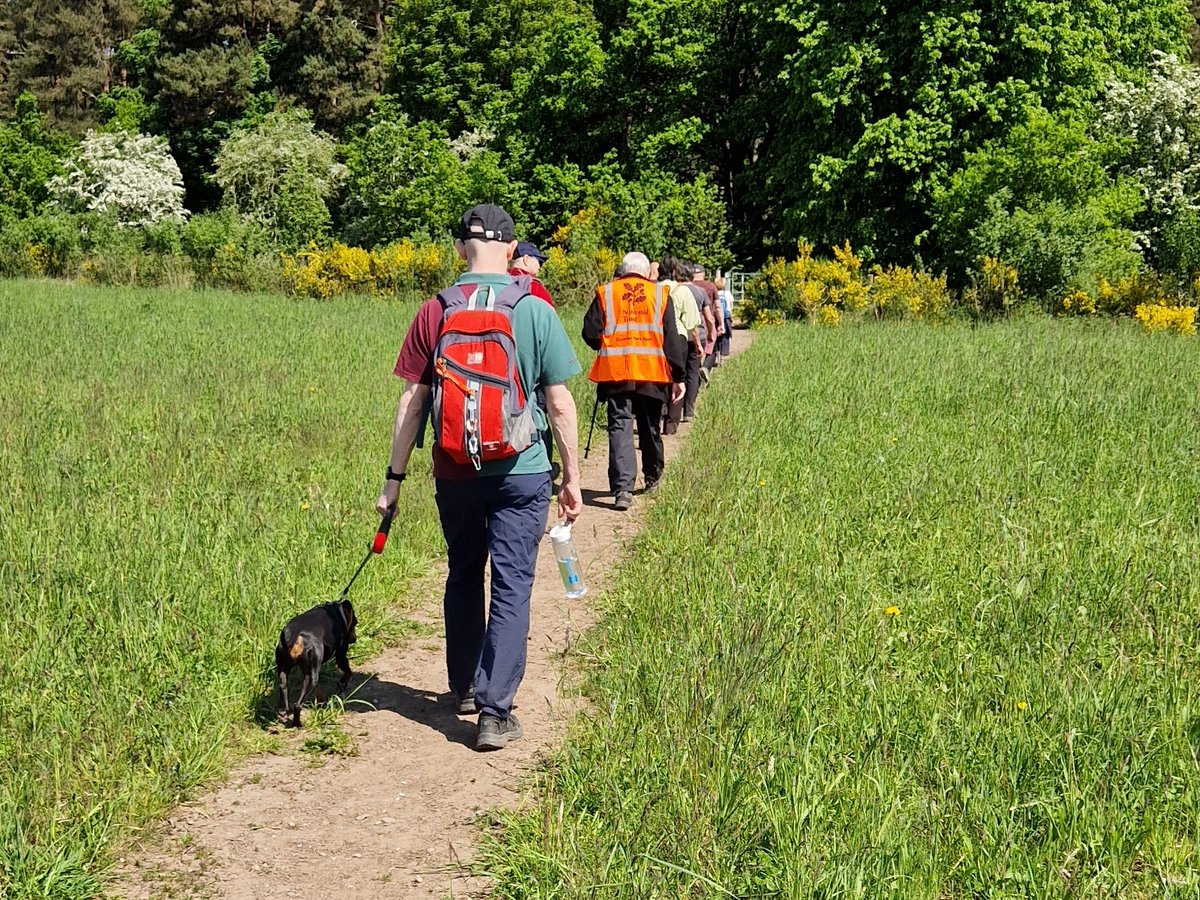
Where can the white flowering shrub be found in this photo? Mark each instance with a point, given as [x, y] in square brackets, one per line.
[132, 177]
[280, 174]
[1158, 125]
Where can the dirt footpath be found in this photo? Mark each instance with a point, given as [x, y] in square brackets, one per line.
[398, 819]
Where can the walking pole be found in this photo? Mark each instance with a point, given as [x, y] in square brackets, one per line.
[592, 427]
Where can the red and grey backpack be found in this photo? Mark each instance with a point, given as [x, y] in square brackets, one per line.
[479, 410]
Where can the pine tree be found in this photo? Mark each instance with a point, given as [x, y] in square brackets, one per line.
[64, 54]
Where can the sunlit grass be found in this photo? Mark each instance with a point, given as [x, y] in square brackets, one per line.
[916, 615]
[182, 473]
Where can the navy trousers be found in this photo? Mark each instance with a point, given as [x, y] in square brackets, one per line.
[502, 517]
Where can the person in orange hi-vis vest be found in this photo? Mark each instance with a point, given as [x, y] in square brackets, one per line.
[639, 368]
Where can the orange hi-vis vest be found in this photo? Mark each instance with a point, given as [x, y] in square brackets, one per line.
[631, 346]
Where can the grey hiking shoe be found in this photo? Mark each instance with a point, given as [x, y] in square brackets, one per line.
[651, 485]
[495, 733]
[624, 500]
[464, 704]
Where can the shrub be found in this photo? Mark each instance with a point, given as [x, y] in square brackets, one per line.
[404, 269]
[29, 158]
[1079, 303]
[280, 174]
[46, 245]
[994, 289]
[131, 177]
[229, 251]
[404, 180]
[577, 260]
[802, 287]
[1155, 317]
[1125, 296]
[901, 292]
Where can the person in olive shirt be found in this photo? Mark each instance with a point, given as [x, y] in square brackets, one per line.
[499, 511]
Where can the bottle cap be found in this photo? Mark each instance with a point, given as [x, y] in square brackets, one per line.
[560, 533]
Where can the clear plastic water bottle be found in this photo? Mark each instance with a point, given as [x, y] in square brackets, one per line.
[568, 560]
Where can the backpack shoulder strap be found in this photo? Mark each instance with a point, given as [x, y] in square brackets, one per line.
[455, 296]
[521, 287]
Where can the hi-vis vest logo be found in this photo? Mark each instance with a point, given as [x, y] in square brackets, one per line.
[633, 294]
[631, 347]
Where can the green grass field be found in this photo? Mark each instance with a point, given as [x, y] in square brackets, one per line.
[186, 470]
[917, 615]
[183, 471]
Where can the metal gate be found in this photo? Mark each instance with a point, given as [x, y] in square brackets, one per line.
[736, 281]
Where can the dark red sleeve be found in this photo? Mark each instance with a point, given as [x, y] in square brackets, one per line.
[415, 362]
[538, 290]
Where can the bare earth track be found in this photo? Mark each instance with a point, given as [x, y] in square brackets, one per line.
[398, 819]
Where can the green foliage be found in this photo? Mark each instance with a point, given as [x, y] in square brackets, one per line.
[330, 61]
[58, 53]
[280, 173]
[1179, 248]
[876, 108]
[230, 251]
[29, 158]
[448, 63]
[125, 109]
[1042, 199]
[47, 244]
[406, 180]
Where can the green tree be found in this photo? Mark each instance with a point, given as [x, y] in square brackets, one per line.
[280, 174]
[1041, 198]
[882, 104]
[406, 179]
[65, 54]
[211, 71]
[29, 158]
[331, 61]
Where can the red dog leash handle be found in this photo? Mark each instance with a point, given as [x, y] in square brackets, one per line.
[381, 534]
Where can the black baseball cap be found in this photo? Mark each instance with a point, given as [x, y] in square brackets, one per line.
[486, 222]
[524, 248]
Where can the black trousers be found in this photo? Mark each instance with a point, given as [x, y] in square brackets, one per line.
[624, 410]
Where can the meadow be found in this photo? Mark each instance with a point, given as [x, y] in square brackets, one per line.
[182, 472]
[922, 621]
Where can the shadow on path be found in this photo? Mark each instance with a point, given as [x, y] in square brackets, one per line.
[434, 711]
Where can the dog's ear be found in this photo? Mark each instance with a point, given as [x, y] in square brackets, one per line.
[348, 609]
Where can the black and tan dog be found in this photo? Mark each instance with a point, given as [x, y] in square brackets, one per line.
[307, 641]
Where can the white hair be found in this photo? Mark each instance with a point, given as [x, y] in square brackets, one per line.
[636, 263]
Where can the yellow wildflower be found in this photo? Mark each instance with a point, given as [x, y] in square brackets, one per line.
[305, 505]
[892, 611]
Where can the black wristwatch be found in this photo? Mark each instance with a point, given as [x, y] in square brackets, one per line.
[397, 477]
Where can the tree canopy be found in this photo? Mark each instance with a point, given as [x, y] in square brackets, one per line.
[797, 120]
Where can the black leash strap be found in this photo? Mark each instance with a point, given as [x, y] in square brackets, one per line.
[376, 546]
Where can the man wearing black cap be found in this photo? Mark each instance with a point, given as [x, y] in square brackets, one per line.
[498, 511]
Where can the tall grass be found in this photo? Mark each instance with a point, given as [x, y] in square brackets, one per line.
[917, 615]
[182, 472]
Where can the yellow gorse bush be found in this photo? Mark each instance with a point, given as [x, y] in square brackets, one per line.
[1156, 317]
[900, 291]
[38, 258]
[829, 315]
[341, 269]
[1079, 303]
[805, 286]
